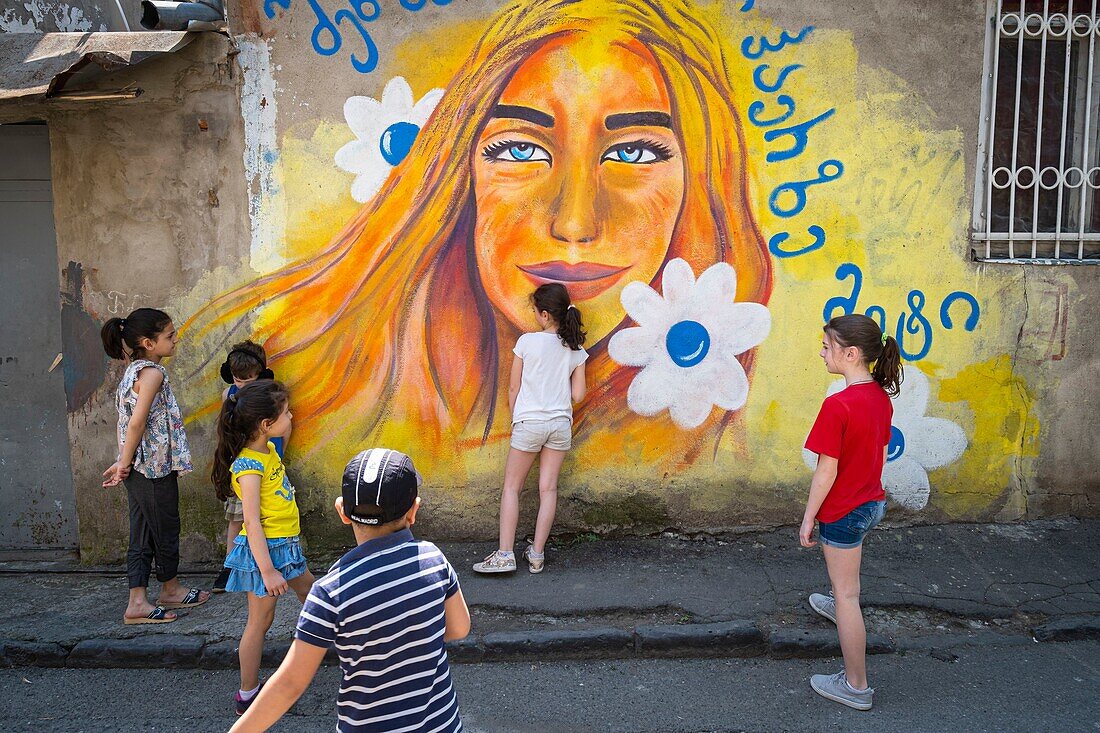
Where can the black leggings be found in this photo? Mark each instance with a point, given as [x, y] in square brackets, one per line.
[154, 528]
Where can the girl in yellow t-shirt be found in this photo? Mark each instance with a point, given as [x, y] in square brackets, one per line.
[266, 558]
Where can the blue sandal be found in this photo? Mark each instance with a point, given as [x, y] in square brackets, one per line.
[192, 599]
[157, 616]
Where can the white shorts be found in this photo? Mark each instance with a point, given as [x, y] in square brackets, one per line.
[531, 436]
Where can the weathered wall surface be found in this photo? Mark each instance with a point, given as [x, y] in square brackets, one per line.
[149, 199]
[363, 204]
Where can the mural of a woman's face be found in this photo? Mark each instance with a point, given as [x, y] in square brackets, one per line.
[578, 179]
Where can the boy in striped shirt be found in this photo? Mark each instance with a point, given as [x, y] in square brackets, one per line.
[387, 606]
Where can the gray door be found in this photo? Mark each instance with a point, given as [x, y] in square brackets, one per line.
[37, 502]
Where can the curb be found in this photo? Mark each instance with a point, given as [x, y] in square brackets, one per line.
[723, 639]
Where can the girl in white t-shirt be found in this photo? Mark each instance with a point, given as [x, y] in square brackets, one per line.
[547, 378]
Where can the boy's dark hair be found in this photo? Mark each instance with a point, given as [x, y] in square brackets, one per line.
[554, 299]
[864, 333]
[246, 360]
[238, 421]
[118, 334]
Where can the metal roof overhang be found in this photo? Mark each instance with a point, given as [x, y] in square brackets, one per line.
[37, 66]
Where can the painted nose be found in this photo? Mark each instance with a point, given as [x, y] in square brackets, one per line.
[575, 219]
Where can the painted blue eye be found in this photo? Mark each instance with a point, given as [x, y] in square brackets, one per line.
[687, 343]
[397, 140]
[509, 151]
[897, 445]
[637, 153]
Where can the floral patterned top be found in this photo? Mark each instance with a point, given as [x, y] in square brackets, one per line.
[163, 446]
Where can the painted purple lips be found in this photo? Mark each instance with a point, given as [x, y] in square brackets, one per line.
[583, 279]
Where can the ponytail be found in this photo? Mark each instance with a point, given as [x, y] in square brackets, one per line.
[238, 422]
[554, 299]
[122, 336]
[864, 333]
[887, 371]
[112, 337]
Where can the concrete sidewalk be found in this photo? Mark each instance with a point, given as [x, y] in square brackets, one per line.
[924, 588]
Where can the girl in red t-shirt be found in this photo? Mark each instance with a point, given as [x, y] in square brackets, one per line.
[850, 438]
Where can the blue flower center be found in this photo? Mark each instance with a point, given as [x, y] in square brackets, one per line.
[687, 343]
[897, 444]
[397, 141]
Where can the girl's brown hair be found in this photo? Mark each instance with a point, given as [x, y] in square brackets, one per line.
[864, 333]
[120, 334]
[239, 421]
[554, 299]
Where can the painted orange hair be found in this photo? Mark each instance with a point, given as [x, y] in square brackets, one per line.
[388, 325]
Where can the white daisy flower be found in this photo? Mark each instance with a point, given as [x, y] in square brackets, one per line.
[687, 342]
[385, 132]
[918, 444]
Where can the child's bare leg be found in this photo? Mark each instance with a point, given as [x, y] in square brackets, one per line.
[550, 461]
[515, 473]
[843, 565]
[301, 585]
[261, 612]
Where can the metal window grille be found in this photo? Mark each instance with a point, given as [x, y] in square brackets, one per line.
[1038, 173]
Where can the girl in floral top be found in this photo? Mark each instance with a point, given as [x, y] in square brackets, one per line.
[152, 453]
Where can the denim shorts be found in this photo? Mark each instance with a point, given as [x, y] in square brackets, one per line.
[530, 436]
[848, 531]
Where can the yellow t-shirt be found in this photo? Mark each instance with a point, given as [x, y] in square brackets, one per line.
[278, 511]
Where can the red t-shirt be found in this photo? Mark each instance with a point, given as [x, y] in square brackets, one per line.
[853, 427]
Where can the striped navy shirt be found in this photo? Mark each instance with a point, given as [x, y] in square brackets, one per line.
[381, 605]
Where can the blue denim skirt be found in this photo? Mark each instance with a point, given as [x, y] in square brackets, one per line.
[848, 531]
[244, 574]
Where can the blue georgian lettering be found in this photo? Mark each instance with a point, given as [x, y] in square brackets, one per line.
[778, 239]
[758, 77]
[764, 45]
[799, 134]
[830, 170]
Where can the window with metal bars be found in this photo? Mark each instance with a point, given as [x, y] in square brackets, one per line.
[1037, 195]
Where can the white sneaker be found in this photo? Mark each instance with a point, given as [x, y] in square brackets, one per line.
[824, 605]
[534, 563]
[498, 562]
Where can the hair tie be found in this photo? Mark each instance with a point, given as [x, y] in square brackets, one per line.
[233, 399]
[121, 323]
[572, 307]
[884, 337]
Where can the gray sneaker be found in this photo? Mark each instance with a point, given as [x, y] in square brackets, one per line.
[824, 605]
[836, 688]
[498, 562]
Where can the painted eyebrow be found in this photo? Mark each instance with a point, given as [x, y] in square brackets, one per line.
[516, 112]
[638, 119]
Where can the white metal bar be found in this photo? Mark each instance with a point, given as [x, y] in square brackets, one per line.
[1016, 129]
[1062, 142]
[1039, 133]
[992, 127]
[1085, 153]
[1041, 236]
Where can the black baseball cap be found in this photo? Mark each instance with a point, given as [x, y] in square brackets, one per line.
[380, 477]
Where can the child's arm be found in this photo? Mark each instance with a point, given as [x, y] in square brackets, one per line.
[577, 386]
[824, 476]
[147, 385]
[514, 382]
[283, 689]
[456, 618]
[257, 542]
[225, 394]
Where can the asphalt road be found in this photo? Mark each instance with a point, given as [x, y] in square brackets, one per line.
[1033, 687]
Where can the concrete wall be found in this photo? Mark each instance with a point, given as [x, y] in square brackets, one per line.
[357, 201]
[149, 199]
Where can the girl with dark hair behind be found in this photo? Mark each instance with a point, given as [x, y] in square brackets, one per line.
[850, 437]
[266, 558]
[152, 453]
[547, 378]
